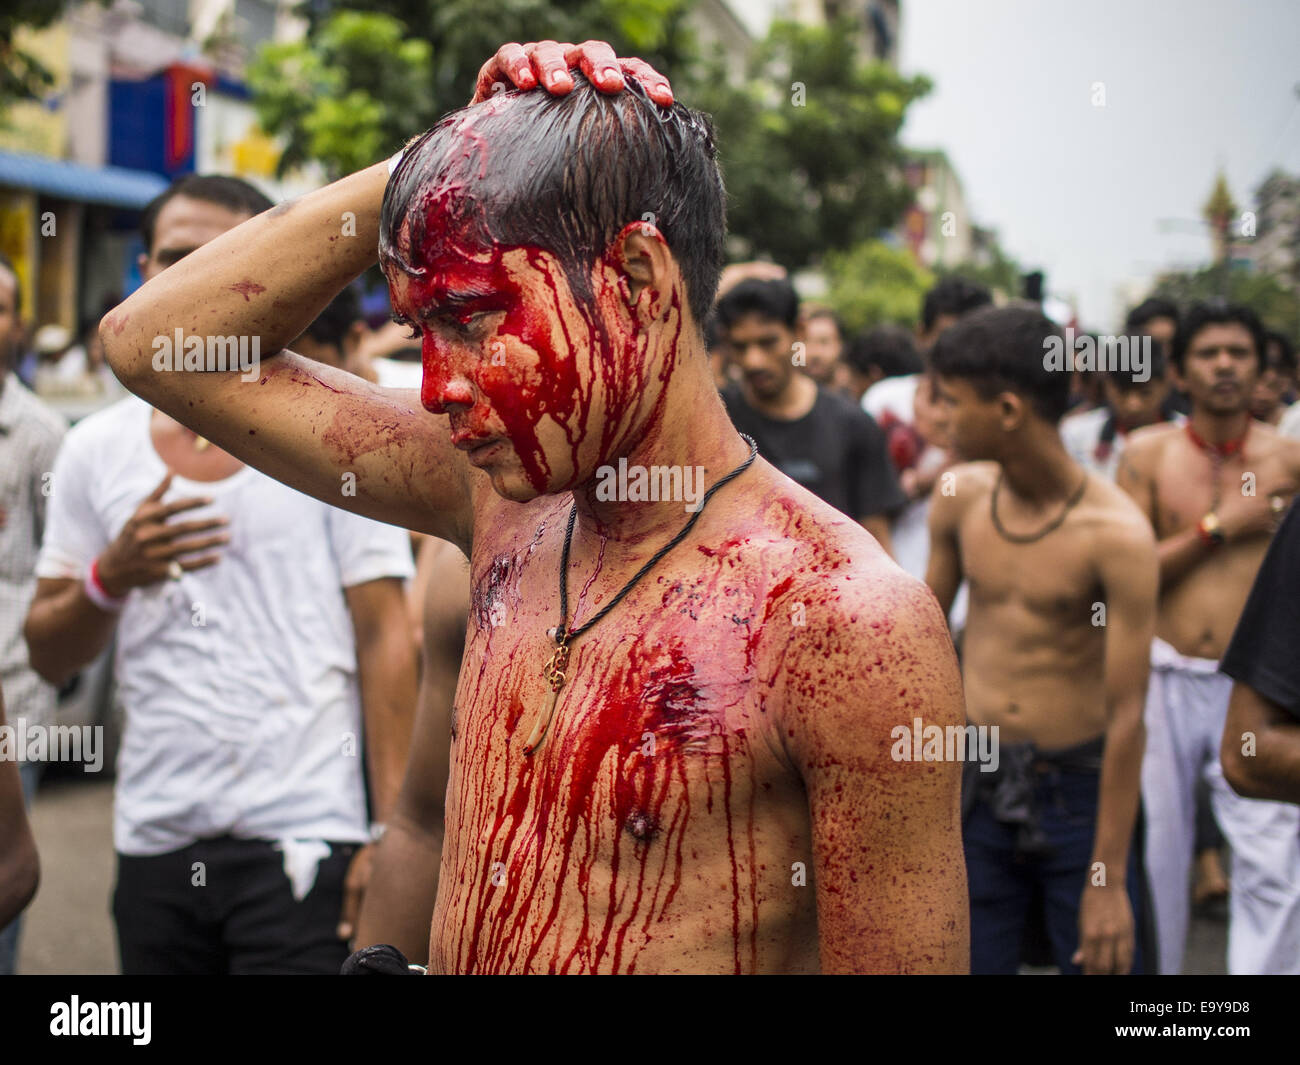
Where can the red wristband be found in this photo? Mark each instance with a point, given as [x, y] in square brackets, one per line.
[98, 594]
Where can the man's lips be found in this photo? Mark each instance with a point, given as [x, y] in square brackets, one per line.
[477, 447]
[468, 441]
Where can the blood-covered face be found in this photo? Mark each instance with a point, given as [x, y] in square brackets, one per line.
[540, 390]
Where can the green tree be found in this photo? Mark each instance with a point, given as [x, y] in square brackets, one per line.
[23, 77]
[809, 145]
[367, 77]
[1277, 304]
[999, 272]
[346, 97]
[873, 284]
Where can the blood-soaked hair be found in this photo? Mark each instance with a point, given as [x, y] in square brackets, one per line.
[1002, 349]
[566, 174]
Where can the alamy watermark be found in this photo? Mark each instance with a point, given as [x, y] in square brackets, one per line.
[1110, 354]
[641, 484]
[53, 743]
[207, 354]
[919, 742]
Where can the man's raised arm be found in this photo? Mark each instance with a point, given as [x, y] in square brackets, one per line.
[320, 430]
[323, 431]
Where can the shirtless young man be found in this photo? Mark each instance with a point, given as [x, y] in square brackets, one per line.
[714, 791]
[1062, 573]
[1214, 490]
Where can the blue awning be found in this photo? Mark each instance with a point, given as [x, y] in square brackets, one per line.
[114, 186]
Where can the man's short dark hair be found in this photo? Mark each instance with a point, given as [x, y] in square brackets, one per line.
[955, 296]
[889, 348]
[7, 264]
[714, 336]
[775, 299]
[233, 193]
[340, 314]
[1151, 308]
[1217, 312]
[1004, 349]
[567, 174]
[812, 314]
[1285, 352]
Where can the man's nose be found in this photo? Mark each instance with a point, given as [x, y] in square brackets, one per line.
[444, 384]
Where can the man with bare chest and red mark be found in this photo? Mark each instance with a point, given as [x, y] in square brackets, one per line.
[1214, 490]
[667, 755]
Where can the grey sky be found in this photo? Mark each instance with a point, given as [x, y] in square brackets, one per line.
[1077, 189]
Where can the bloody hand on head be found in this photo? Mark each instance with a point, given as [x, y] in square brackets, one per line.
[547, 63]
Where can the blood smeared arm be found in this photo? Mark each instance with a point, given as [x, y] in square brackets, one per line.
[887, 850]
[317, 429]
[322, 431]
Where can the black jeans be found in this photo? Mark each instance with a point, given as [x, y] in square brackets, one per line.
[225, 906]
[1006, 885]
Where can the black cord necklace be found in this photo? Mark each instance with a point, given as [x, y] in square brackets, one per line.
[559, 662]
[1019, 538]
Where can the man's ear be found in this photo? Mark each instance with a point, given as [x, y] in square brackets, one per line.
[142, 261]
[646, 269]
[1012, 410]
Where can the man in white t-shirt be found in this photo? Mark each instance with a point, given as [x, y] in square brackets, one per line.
[261, 647]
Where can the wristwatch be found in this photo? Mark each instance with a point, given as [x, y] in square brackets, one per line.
[1210, 529]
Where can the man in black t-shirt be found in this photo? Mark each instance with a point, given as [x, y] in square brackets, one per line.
[1261, 738]
[815, 437]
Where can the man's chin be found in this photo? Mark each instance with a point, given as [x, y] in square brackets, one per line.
[511, 485]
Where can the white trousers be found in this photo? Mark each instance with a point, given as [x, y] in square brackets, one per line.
[1187, 703]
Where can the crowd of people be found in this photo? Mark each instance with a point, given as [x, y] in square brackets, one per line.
[302, 772]
[1056, 676]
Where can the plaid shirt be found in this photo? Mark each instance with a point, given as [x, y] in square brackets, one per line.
[30, 434]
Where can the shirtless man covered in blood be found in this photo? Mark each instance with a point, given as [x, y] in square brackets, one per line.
[695, 777]
[1062, 572]
[1214, 489]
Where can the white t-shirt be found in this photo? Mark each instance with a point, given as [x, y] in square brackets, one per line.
[239, 681]
[397, 373]
[1081, 435]
[1290, 423]
[894, 394]
[910, 532]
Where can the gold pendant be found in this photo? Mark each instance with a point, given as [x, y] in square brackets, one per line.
[201, 443]
[554, 674]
